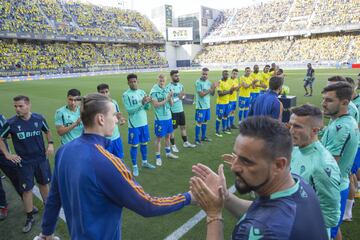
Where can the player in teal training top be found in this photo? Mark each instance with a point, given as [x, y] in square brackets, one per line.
[67, 118]
[116, 146]
[341, 136]
[136, 104]
[162, 101]
[313, 162]
[204, 89]
[177, 110]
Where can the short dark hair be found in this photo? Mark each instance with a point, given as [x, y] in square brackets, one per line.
[73, 92]
[247, 68]
[102, 86]
[235, 70]
[336, 79]
[225, 71]
[267, 65]
[276, 136]
[343, 90]
[350, 81]
[275, 83]
[91, 105]
[21, 98]
[172, 72]
[205, 69]
[131, 75]
[307, 110]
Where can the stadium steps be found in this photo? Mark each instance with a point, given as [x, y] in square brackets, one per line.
[288, 51]
[62, 4]
[288, 18]
[231, 19]
[316, 6]
[350, 50]
[51, 23]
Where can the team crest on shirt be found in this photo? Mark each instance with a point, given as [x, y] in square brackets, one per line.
[302, 170]
[36, 124]
[338, 127]
[303, 193]
[255, 233]
[328, 171]
[19, 127]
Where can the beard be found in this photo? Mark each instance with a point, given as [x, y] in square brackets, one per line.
[244, 187]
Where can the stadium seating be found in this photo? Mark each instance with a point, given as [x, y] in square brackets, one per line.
[41, 55]
[74, 19]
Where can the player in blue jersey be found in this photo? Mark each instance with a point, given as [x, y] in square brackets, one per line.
[25, 129]
[341, 137]
[93, 186]
[116, 146]
[136, 103]
[162, 100]
[177, 110]
[204, 89]
[67, 118]
[286, 206]
[3, 202]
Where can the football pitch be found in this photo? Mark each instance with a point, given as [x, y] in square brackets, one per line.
[169, 179]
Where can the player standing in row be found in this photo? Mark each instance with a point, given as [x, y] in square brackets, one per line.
[256, 77]
[67, 118]
[265, 78]
[204, 89]
[309, 79]
[31, 156]
[340, 137]
[116, 146]
[234, 83]
[224, 91]
[162, 100]
[136, 103]
[177, 110]
[244, 94]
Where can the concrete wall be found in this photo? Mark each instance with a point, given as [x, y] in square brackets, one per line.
[180, 52]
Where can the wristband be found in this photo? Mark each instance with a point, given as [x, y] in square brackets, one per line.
[51, 142]
[212, 219]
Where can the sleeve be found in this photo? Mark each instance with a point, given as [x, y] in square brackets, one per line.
[5, 130]
[275, 110]
[326, 182]
[111, 173]
[252, 229]
[45, 127]
[251, 110]
[59, 119]
[52, 205]
[2, 120]
[130, 108]
[336, 143]
[117, 108]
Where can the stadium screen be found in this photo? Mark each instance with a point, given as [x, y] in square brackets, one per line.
[180, 33]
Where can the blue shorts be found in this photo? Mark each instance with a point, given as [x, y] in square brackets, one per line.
[343, 197]
[12, 173]
[356, 164]
[40, 170]
[232, 106]
[116, 148]
[244, 103]
[222, 110]
[253, 96]
[202, 115]
[138, 135]
[163, 127]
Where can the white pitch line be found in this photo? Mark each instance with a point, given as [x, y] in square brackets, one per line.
[36, 191]
[181, 231]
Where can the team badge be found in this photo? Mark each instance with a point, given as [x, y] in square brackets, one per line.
[19, 127]
[36, 124]
[328, 171]
[302, 170]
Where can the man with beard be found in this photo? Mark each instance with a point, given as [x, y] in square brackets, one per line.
[177, 110]
[286, 207]
[340, 137]
[313, 162]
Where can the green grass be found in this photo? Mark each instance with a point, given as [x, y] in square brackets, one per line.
[48, 95]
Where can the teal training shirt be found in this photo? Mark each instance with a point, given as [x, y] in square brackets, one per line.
[354, 110]
[176, 88]
[116, 132]
[315, 164]
[65, 117]
[160, 94]
[132, 100]
[200, 86]
[341, 138]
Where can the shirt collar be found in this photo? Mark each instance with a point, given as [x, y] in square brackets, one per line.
[96, 139]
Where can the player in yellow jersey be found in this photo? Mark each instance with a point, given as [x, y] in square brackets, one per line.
[224, 91]
[234, 83]
[256, 77]
[245, 83]
[265, 77]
